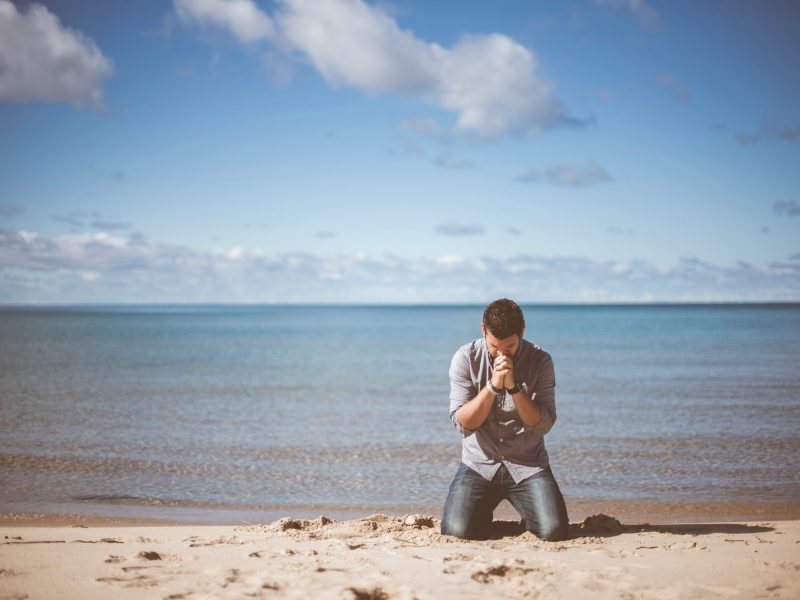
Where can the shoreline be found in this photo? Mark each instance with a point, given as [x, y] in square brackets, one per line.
[400, 558]
[198, 514]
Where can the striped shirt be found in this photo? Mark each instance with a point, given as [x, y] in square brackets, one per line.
[503, 438]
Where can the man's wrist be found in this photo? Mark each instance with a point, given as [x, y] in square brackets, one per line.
[514, 389]
[494, 389]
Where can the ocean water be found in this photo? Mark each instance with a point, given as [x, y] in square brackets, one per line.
[245, 407]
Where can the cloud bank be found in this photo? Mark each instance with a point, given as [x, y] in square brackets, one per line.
[490, 82]
[100, 267]
[40, 59]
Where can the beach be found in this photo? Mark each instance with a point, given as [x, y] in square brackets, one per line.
[387, 557]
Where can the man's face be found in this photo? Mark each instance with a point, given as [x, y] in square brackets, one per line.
[507, 346]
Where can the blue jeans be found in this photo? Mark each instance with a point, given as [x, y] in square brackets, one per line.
[472, 499]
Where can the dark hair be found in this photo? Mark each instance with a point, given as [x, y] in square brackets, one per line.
[503, 318]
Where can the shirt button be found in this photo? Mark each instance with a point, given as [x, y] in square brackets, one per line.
[501, 439]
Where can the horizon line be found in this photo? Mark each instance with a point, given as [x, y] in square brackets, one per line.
[631, 303]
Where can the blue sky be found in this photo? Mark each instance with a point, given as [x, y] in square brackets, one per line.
[351, 151]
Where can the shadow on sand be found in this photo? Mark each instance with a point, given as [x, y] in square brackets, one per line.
[605, 526]
[699, 528]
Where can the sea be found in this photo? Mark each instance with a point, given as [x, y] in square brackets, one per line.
[219, 414]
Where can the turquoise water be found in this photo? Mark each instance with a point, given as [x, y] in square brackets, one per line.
[230, 406]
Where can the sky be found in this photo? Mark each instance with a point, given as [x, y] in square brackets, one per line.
[345, 151]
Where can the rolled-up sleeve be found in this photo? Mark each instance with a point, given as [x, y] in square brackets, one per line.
[462, 390]
[544, 394]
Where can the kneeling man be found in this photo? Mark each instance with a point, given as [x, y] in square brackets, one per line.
[502, 400]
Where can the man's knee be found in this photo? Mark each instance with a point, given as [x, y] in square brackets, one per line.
[459, 528]
[554, 531]
[550, 531]
[456, 528]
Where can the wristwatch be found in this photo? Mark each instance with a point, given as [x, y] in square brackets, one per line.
[517, 388]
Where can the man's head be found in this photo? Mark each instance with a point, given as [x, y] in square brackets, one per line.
[503, 326]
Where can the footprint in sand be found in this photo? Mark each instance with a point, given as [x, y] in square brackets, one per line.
[197, 541]
[134, 581]
[247, 583]
[450, 557]
[502, 572]
[114, 558]
[367, 593]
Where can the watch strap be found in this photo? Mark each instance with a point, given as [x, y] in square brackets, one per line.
[494, 389]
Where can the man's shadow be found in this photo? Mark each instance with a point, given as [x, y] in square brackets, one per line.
[698, 528]
[605, 526]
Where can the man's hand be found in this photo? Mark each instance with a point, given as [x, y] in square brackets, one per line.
[503, 376]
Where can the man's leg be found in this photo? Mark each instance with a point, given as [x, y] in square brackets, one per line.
[539, 501]
[470, 504]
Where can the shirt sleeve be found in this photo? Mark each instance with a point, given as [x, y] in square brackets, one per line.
[544, 394]
[462, 390]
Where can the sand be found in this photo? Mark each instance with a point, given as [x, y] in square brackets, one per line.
[399, 557]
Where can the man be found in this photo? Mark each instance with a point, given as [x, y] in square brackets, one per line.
[502, 400]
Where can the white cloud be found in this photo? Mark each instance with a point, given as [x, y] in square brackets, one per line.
[43, 60]
[107, 268]
[242, 18]
[491, 82]
[27, 236]
[351, 43]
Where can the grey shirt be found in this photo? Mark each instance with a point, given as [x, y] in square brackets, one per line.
[503, 437]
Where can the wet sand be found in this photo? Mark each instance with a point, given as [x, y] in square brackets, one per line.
[385, 557]
[126, 511]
